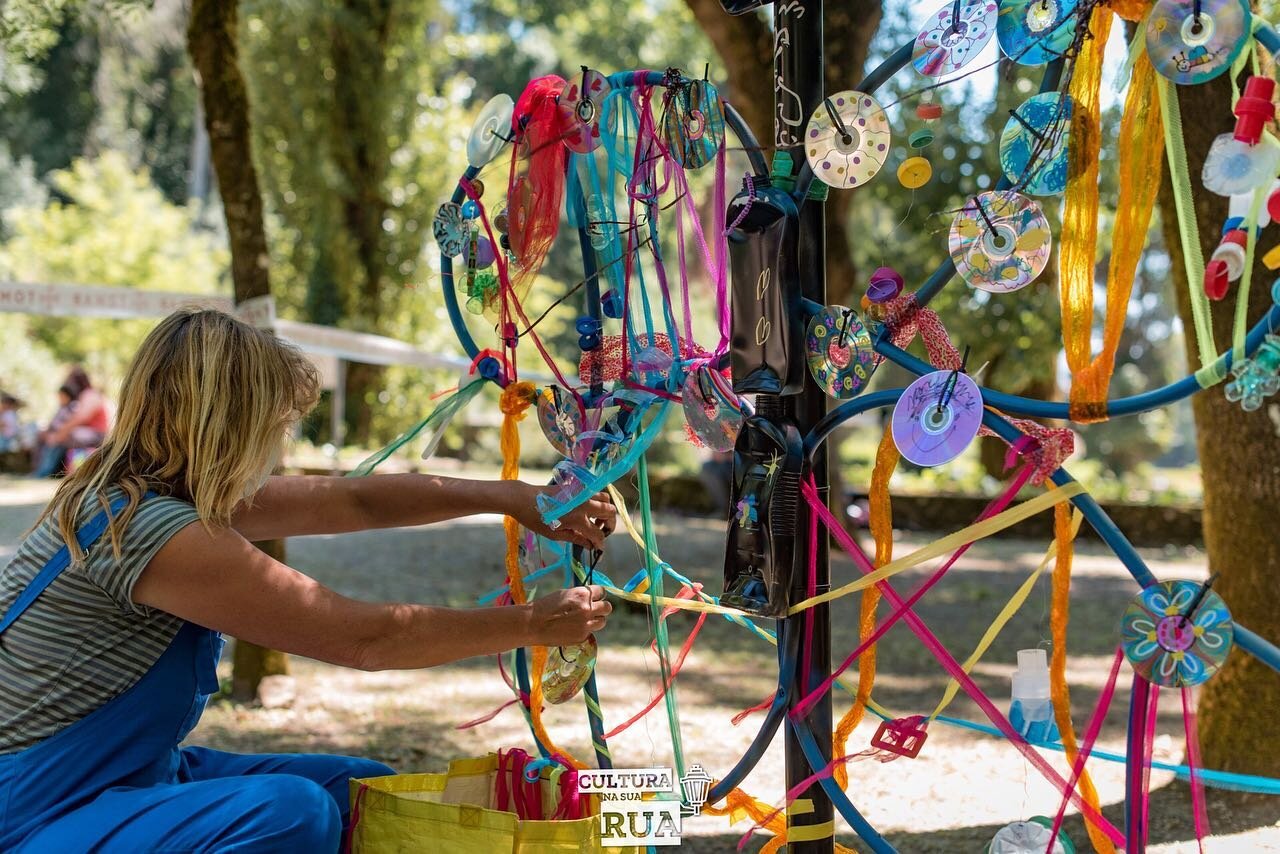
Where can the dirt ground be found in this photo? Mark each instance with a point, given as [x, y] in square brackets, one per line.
[961, 789]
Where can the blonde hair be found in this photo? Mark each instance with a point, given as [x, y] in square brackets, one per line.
[203, 413]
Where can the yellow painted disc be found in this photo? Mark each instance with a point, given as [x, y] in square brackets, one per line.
[914, 173]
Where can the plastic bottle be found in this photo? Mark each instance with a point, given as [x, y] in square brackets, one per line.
[1031, 709]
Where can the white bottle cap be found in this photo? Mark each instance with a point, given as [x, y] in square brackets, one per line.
[1031, 680]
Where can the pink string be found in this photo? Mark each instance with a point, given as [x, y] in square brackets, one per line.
[758, 707]
[1086, 747]
[1153, 698]
[1199, 809]
[953, 668]
[810, 590]
[803, 707]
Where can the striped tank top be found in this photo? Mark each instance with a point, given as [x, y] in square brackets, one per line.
[84, 641]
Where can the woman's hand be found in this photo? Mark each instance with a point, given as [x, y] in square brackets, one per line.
[568, 616]
[586, 525]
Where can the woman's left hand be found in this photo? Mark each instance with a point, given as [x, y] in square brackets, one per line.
[586, 525]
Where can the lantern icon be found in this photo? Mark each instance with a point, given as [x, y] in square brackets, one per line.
[695, 785]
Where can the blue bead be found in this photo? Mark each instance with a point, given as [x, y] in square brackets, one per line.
[588, 342]
[470, 210]
[611, 304]
[587, 325]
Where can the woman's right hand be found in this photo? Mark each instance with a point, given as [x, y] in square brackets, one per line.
[568, 616]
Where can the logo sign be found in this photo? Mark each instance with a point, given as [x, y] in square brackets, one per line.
[643, 806]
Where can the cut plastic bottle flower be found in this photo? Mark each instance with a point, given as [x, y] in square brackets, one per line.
[1234, 167]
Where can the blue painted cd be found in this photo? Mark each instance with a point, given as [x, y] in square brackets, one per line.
[1191, 48]
[1033, 145]
[1177, 634]
[1035, 32]
[693, 124]
[449, 228]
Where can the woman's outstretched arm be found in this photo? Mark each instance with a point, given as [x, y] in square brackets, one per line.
[220, 581]
[299, 505]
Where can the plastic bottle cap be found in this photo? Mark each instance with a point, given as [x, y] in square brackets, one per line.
[1233, 255]
[929, 111]
[914, 173]
[920, 138]
[1031, 679]
[1272, 259]
[1215, 279]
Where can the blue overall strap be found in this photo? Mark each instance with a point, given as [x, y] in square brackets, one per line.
[86, 536]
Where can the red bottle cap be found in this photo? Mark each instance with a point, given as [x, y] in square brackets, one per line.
[929, 112]
[1215, 279]
[1238, 236]
[1254, 109]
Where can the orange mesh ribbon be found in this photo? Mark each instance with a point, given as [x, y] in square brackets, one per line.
[1141, 166]
[1058, 616]
[882, 529]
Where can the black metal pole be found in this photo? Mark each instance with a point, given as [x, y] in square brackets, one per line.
[799, 69]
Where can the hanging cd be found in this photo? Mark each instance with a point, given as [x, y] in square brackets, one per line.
[491, 132]
[1033, 145]
[568, 669]
[937, 417]
[1000, 241]
[1176, 633]
[1034, 32]
[711, 409]
[1189, 48]
[579, 110]
[847, 139]
[947, 44]
[560, 416]
[839, 352]
[450, 230]
[693, 124]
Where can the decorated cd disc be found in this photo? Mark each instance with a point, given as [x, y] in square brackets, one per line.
[1170, 645]
[839, 352]
[847, 139]
[1034, 32]
[560, 416]
[568, 669]
[579, 110]
[937, 417]
[1033, 146]
[946, 45]
[1000, 241]
[693, 124]
[711, 409]
[450, 230]
[1189, 49]
[491, 132]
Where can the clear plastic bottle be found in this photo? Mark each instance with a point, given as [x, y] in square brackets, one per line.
[1031, 708]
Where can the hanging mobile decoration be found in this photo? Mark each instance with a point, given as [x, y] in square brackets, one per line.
[711, 409]
[914, 172]
[1000, 241]
[579, 110]
[1034, 143]
[839, 352]
[953, 36]
[937, 417]
[450, 230]
[568, 669]
[491, 132]
[1034, 32]
[1177, 634]
[1193, 41]
[693, 124]
[847, 139]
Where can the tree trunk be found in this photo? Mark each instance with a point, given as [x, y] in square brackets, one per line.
[211, 40]
[1240, 462]
[359, 45]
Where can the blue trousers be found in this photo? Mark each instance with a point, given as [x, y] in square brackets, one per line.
[221, 802]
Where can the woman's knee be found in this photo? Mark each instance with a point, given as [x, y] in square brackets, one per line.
[299, 812]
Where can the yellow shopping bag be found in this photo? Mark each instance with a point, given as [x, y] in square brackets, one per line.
[455, 812]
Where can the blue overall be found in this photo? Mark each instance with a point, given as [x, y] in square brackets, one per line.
[116, 780]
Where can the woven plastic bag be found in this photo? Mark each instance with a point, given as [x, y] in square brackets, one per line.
[457, 812]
